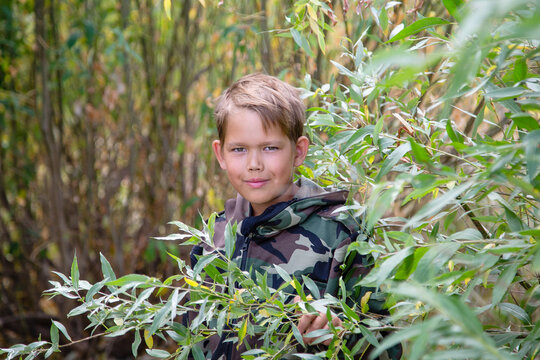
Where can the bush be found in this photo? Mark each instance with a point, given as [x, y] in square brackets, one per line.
[433, 124]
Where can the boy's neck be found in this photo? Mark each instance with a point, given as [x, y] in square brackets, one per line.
[289, 195]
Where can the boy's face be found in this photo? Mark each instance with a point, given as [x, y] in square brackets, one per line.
[260, 164]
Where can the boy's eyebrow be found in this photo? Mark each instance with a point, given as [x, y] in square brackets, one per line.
[271, 142]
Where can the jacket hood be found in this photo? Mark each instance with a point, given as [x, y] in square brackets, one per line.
[309, 198]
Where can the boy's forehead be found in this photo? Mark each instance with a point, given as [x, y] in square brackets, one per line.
[245, 135]
[241, 118]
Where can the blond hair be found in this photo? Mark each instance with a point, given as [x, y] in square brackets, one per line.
[276, 103]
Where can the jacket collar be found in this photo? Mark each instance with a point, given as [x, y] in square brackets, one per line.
[309, 198]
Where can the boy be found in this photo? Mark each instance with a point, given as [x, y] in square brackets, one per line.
[292, 224]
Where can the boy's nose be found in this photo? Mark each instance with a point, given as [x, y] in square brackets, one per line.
[254, 161]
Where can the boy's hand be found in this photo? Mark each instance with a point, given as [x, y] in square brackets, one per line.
[309, 323]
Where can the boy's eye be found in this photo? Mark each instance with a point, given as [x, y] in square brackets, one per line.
[271, 148]
[238, 149]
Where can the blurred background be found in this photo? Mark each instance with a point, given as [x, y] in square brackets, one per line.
[106, 124]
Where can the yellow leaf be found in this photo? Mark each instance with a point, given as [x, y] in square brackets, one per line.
[435, 193]
[119, 321]
[167, 6]
[311, 12]
[203, 3]
[486, 277]
[264, 313]
[418, 305]
[364, 302]
[148, 339]
[490, 70]
[191, 282]
[467, 280]
[242, 332]
[451, 265]
[293, 284]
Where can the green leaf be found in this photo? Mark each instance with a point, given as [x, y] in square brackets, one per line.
[297, 335]
[203, 262]
[62, 328]
[520, 69]
[136, 343]
[302, 42]
[455, 137]
[283, 274]
[516, 311]
[392, 160]
[433, 260]
[221, 322]
[514, 222]
[503, 282]
[504, 93]
[378, 275]
[408, 266]
[172, 237]
[452, 307]
[230, 240]
[525, 122]
[418, 26]
[55, 336]
[140, 299]
[349, 312]
[453, 7]
[399, 337]
[94, 289]
[368, 335]
[158, 353]
[436, 205]
[377, 130]
[535, 264]
[478, 120]
[75, 273]
[81, 309]
[312, 287]
[322, 120]
[49, 352]
[420, 152]
[321, 42]
[160, 318]
[532, 141]
[197, 352]
[308, 356]
[106, 268]
[129, 279]
[379, 201]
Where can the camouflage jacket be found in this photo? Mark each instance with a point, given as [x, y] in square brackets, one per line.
[304, 236]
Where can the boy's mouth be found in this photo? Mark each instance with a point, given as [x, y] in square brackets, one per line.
[256, 183]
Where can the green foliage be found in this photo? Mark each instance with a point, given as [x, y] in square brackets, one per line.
[432, 122]
[459, 257]
[158, 309]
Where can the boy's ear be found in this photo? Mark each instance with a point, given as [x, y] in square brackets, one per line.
[301, 149]
[216, 146]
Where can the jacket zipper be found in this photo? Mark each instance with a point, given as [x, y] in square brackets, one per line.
[244, 253]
